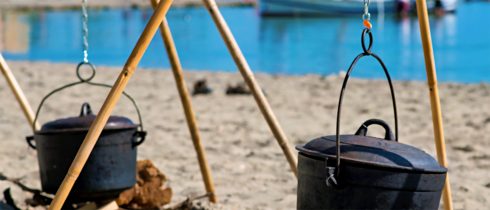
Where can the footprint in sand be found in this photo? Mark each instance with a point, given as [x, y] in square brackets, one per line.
[466, 148]
[487, 121]
[480, 157]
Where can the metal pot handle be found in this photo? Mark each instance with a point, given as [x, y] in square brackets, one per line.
[87, 81]
[140, 138]
[366, 52]
[29, 140]
[362, 131]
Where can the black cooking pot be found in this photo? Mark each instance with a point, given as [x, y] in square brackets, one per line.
[111, 167]
[363, 172]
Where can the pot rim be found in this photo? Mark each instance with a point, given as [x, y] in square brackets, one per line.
[318, 156]
[68, 130]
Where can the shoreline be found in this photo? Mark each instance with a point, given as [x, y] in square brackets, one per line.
[247, 165]
[339, 73]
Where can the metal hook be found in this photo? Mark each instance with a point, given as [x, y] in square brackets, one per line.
[366, 15]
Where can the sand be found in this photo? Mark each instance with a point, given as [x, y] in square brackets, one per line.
[248, 167]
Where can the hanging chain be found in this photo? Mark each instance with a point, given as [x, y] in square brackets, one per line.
[366, 17]
[85, 30]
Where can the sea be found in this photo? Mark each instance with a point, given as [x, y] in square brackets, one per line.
[275, 45]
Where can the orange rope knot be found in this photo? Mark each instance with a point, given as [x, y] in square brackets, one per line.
[367, 24]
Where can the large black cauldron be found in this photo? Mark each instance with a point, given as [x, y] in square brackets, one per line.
[111, 167]
[363, 172]
[373, 174]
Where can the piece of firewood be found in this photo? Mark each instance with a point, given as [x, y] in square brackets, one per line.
[110, 206]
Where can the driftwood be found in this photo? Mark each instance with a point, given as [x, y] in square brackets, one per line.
[149, 192]
[147, 173]
[9, 200]
[38, 199]
[17, 182]
[188, 204]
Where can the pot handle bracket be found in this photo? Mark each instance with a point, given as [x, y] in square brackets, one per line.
[140, 137]
[330, 181]
[29, 140]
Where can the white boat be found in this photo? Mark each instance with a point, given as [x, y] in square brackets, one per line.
[336, 7]
[319, 7]
[450, 5]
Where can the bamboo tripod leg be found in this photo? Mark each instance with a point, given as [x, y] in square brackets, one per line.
[249, 78]
[19, 95]
[434, 96]
[187, 105]
[111, 100]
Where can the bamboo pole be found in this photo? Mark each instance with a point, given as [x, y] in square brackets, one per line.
[111, 100]
[434, 96]
[249, 78]
[19, 95]
[187, 105]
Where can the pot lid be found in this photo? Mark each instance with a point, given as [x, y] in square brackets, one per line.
[84, 121]
[372, 151]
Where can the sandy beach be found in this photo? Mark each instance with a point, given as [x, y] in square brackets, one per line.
[248, 167]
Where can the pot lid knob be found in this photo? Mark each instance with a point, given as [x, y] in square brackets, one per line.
[86, 110]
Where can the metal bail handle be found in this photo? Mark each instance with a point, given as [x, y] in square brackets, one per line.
[367, 52]
[87, 80]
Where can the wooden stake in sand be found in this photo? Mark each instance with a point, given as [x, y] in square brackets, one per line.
[111, 100]
[434, 96]
[19, 95]
[187, 105]
[249, 78]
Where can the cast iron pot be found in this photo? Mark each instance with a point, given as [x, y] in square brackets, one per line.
[363, 172]
[111, 167]
[374, 174]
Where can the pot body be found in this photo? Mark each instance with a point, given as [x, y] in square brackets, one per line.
[110, 169]
[365, 187]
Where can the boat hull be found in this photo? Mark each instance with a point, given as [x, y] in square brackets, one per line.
[335, 7]
[321, 7]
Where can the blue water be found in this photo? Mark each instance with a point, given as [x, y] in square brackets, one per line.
[296, 46]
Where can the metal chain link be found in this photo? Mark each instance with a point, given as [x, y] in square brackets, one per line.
[366, 15]
[85, 30]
